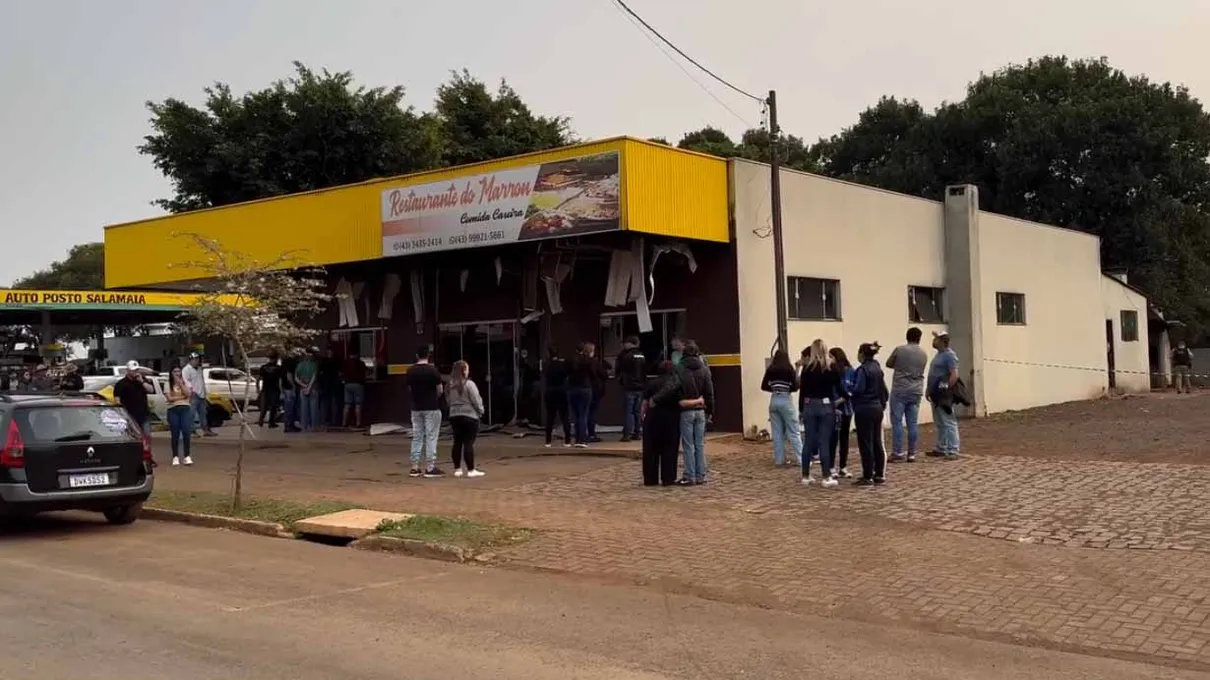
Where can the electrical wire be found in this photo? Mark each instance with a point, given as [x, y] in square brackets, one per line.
[621, 4]
[637, 23]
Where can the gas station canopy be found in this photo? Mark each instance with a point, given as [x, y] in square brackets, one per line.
[92, 307]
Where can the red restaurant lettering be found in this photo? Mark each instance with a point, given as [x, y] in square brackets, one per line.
[490, 190]
[401, 204]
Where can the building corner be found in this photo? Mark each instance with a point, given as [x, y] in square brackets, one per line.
[964, 289]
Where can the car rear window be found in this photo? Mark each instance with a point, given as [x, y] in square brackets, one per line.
[75, 423]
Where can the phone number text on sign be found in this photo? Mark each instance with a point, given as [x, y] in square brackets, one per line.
[477, 237]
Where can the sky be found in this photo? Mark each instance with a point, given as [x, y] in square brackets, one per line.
[75, 74]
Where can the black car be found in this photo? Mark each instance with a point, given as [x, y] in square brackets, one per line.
[72, 452]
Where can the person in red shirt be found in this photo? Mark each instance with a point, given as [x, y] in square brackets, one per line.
[354, 374]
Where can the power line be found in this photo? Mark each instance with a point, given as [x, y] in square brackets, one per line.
[681, 52]
[677, 62]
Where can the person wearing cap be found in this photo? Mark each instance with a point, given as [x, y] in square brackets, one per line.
[908, 361]
[131, 392]
[192, 373]
[869, 397]
[71, 381]
[943, 375]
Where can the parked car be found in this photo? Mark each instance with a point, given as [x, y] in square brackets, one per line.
[119, 371]
[72, 453]
[220, 410]
[232, 383]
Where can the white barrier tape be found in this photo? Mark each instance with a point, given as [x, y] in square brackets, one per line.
[1101, 369]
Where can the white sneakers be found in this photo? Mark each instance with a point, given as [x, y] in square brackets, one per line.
[458, 472]
[469, 473]
[807, 481]
[830, 483]
[177, 461]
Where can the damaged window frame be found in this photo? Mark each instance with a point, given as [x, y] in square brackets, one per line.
[1010, 308]
[799, 293]
[660, 324]
[1129, 320]
[926, 305]
[376, 366]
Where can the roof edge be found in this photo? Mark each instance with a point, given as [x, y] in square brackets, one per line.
[422, 173]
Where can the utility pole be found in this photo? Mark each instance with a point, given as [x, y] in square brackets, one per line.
[779, 255]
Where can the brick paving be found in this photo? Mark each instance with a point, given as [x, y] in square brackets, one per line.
[1107, 558]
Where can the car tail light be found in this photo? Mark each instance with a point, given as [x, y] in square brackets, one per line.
[13, 453]
[147, 448]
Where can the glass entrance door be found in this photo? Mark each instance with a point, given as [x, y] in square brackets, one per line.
[490, 349]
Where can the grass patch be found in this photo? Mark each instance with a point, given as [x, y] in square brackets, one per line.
[453, 531]
[261, 509]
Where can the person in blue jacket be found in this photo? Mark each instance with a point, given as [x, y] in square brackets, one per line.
[869, 401]
[844, 415]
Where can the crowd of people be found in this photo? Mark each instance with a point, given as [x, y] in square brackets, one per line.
[667, 412]
[817, 401]
[312, 390]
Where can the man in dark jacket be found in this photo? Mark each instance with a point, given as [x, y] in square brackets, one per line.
[692, 377]
[554, 382]
[631, 368]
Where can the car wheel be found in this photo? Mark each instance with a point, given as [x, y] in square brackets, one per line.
[123, 514]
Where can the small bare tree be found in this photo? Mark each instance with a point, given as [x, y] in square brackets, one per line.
[255, 305]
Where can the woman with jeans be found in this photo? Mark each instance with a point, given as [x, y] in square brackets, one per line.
[819, 385]
[839, 445]
[869, 402]
[581, 376]
[780, 382]
[466, 409]
[180, 415]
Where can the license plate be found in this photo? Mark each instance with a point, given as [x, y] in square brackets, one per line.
[83, 481]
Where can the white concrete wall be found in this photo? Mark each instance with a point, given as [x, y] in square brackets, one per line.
[832, 230]
[1131, 359]
[1059, 354]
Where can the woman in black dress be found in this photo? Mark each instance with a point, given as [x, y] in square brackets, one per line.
[661, 429]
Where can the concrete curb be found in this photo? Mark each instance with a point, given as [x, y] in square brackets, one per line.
[414, 548]
[248, 526]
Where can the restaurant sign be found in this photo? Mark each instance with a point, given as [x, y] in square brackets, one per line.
[568, 197]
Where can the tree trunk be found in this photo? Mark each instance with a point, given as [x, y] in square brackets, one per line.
[238, 482]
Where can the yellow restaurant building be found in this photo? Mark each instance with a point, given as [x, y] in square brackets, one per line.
[492, 263]
[496, 262]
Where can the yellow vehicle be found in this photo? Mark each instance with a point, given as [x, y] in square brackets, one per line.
[221, 407]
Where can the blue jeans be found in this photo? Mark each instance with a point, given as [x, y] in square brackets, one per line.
[198, 409]
[693, 443]
[579, 402]
[426, 425]
[947, 430]
[783, 422]
[632, 409]
[308, 410]
[290, 408]
[180, 425]
[818, 419]
[905, 409]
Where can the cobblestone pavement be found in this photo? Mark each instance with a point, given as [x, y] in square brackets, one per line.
[1099, 557]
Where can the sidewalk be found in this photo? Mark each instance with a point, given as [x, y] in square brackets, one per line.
[985, 547]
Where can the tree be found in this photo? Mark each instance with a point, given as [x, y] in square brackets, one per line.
[753, 146]
[82, 269]
[254, 305]
[1076, 144]
[310, 131]
[476, 126]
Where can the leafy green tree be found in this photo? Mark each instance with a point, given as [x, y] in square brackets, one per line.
[474, 125]
[753, 145]
[1077, 144]
[82, 269]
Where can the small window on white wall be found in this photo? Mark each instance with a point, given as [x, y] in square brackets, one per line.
[1130, 325]
[812, 299]
[1010, 309]
[926, 305]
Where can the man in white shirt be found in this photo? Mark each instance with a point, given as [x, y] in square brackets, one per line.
[192, 373]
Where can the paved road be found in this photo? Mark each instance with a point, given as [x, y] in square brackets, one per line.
[80, 599]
